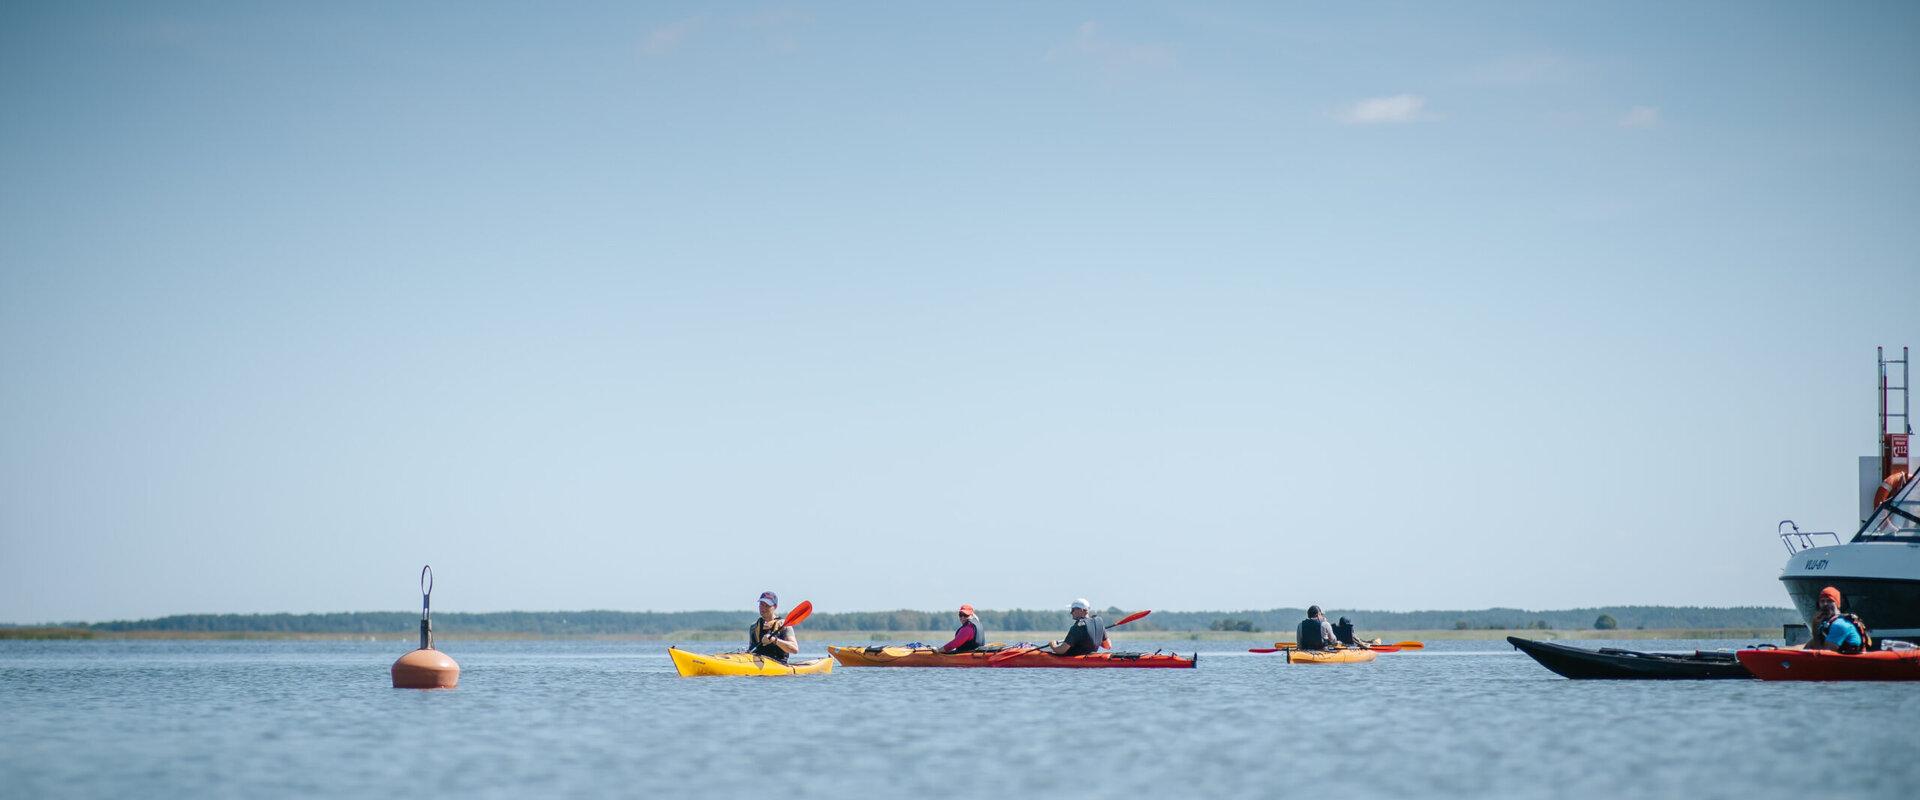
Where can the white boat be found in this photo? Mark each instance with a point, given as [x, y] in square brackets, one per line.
[1878, 570]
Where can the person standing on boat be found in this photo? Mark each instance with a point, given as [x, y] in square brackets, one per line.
[769, 636]
[1087, 635]
[1315, 632]
[970, 636]
[1834, 629]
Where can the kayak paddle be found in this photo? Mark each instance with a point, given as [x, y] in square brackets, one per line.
[1378, 648]
[1006, 655]
[798, 614]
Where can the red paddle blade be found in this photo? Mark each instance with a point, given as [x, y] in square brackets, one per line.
[1263, 649]
[1385, 648]
[1130, 618]
[800, 613]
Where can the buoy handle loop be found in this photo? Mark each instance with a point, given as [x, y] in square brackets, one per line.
[426, 607]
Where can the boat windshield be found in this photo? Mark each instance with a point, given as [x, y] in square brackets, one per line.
[1897, 521]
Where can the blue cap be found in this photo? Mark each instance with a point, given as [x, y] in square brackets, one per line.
[770, 599]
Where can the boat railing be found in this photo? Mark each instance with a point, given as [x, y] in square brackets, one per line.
[1797, 540]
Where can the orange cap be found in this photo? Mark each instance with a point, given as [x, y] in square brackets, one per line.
[967, 609]
[1831, 593]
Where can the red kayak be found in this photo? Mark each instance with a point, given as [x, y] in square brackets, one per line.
[1826, 665]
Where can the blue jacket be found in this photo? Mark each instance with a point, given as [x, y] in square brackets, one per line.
[1841, 633]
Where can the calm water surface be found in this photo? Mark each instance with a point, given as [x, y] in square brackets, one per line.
[580, 719]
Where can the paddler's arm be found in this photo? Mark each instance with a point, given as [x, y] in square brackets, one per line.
[785, 641]
[960, 637]
[1061, 648]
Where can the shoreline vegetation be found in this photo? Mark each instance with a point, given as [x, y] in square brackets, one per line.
[873, 637]
[1613, 622]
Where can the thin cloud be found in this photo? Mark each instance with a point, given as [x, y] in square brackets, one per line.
[1397, 109]
[1527, 69]
[778, 28]
[776, 18]
[667, 38]
[1641, 117]
[1090, 44]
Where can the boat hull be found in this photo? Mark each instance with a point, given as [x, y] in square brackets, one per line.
[1890, 605]
[1579, 663]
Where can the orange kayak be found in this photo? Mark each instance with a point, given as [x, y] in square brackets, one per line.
[1782, 664]
[899, 656]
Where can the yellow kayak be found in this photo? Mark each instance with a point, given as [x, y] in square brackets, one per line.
[1348, 655]
[694, 665]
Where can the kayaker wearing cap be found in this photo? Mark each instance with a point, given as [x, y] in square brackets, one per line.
[1834, 629]
[970, 636]
[1087, 634]
[769, 636]
[1314, 632]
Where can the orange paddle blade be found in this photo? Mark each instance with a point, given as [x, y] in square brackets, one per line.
[1410, 645]
[800, 613]
[1130, 618]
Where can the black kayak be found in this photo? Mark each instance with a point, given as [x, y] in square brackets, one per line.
[1581, 663]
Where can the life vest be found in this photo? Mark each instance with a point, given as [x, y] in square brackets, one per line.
[1309, 635]
[772, 651]
[1866, 638]
[1343, 631]
[978, 641]
[1094, 632]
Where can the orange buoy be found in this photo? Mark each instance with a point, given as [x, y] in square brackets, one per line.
[426, 668]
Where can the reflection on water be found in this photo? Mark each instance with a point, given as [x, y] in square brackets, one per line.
[1464, 719]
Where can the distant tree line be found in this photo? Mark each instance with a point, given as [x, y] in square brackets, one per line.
[588, 623]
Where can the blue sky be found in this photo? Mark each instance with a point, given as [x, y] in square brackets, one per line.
[1386, 306]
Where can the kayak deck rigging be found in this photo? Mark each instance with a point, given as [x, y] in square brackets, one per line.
[922, 656]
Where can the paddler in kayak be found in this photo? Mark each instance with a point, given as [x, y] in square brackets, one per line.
[1836, 630]
[1315, 632]
[1343, 633]
[970, 636]
[769, 636]
[1087, 635]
